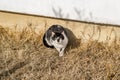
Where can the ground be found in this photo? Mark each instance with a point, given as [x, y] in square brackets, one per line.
[24, 57]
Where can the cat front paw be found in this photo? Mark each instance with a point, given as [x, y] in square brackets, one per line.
[61, 54]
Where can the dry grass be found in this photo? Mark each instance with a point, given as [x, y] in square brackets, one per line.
[23, 57]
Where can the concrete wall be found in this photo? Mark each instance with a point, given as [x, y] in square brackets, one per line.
[83, 30]
[99, 11]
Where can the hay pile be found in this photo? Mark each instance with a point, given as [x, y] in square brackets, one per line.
[24, 57]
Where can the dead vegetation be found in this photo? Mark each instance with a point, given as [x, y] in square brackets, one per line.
[23, 57]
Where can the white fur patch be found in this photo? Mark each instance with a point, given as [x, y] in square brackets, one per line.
[61, 45]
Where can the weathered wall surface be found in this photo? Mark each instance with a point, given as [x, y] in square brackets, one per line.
[85, 31]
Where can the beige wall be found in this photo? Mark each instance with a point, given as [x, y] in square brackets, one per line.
[85, 31]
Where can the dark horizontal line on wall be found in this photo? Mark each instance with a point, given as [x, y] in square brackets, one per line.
[20, 13]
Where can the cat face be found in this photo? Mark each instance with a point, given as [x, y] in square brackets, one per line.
[58, 37]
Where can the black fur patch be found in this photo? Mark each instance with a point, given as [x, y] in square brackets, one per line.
[45, 43]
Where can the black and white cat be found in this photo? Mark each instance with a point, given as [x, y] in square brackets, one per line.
[56, 37]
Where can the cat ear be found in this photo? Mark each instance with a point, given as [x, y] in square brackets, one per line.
[53, 33]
